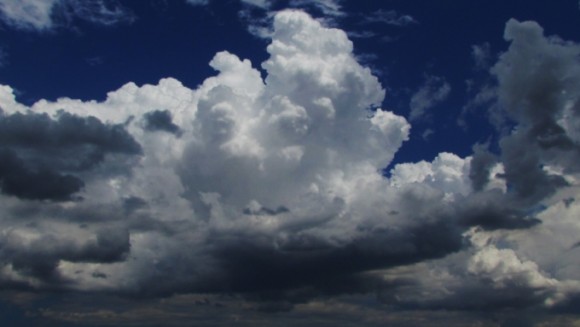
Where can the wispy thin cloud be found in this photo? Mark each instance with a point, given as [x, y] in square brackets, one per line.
[44, 15]
[389, 17]
[434, 90]
[329, 8]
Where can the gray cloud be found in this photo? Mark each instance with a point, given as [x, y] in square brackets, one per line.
[41, 155]
[160, 120]
[537, 88]
[481, 165]
[18, 180]
[40, 258]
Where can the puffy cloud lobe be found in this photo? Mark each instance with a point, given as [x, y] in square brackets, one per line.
[293, 132]
[502, 268]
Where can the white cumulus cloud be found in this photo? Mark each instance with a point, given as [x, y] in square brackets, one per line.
[294, 157]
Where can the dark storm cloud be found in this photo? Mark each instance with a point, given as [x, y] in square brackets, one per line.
[16, 179]
[303, 267]
[538, 81]
[490, 209]
[266, 211]
[133, 204]
[39, 258]
[482, 163]
[493, 210]
[570, 306]
[87, 136]
[524, 169]
[160, 120]
[40, 155]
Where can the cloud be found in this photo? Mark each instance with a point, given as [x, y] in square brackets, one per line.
[481, 55]
[99, 12]
[389, 17]
[481, 167]
[537, 90]
[40, 153]
[502, 268]
[434, 90]
[37, 257]
[198, 2]
[329, 8]
[27, 14]
[160, 120]
[43, 15]
[519, 198]
[18, 180]
[271, 187]
[258, 16]
[259, 3]
[242, 164]
[264, 4]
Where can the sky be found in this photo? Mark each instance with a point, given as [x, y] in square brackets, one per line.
[289, 162]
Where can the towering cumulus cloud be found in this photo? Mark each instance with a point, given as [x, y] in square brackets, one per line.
[241, 185]
[273, 188]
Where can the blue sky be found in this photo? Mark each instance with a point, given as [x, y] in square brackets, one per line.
[324, 162]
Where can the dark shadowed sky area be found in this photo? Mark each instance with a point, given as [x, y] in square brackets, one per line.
[289, 163]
